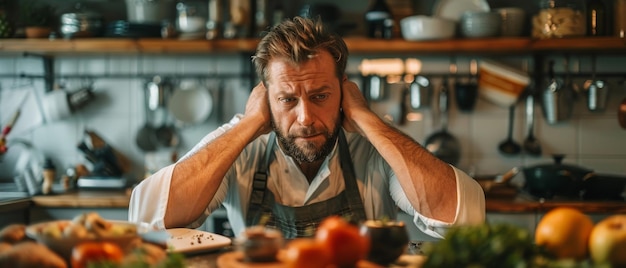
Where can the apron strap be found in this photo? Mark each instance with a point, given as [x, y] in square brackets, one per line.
[349, 177]
[259, 183]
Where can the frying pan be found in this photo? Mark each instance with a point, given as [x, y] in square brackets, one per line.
[442, 144]
[191, 104]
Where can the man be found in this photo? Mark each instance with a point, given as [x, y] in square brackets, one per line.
[306, 147]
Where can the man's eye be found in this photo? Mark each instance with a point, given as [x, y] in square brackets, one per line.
[320, 97]
[287, 100]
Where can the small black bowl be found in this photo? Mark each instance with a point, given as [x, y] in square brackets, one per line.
[388, 240]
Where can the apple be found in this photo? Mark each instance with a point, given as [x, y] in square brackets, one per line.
[607, 242]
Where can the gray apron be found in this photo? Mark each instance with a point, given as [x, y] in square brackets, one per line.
[303, 221]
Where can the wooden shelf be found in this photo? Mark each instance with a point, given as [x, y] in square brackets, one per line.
[357, 45]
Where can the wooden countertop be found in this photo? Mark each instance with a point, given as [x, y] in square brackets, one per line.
[522, 205]
[120, 199]
[103, 199]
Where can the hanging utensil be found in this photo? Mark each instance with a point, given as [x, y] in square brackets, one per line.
[531, 145]
[467, 93]
[419, 92]
[166, 133]
[596, 90]
[557, 100]
[509, 146]
[442, 144]
[146, 135]
[191, 103]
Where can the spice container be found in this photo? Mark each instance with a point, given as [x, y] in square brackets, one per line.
[559, 18]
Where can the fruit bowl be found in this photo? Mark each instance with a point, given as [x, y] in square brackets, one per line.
[62, 236]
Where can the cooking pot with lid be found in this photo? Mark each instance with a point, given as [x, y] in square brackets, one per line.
[556, 179]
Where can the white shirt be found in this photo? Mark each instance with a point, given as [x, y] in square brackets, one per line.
[380, 191]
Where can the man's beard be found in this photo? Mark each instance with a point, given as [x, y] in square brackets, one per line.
[309, 153]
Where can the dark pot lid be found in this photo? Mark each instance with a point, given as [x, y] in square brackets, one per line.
[559, 166]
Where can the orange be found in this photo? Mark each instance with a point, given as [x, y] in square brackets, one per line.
[564, 232]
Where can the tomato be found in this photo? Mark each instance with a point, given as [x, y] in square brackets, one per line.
[306, 253]
[343, 240]
[87, 252]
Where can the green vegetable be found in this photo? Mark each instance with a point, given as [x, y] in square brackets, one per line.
[488, 245]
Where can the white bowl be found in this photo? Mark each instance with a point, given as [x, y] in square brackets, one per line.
[420, 27]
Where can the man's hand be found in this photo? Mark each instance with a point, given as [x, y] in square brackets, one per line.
[354, 106]
[258, 108]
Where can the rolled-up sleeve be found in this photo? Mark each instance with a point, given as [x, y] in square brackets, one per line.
[470, 208]
[148, 200]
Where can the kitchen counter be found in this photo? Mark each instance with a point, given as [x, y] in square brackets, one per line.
[84, 198]
[524, 205]
[120, 199]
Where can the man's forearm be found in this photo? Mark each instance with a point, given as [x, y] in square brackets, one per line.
[429, 183]
[195, 180]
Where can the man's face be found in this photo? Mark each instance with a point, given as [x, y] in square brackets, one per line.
[304, 102]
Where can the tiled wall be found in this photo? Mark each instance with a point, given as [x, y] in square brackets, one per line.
[593, 140]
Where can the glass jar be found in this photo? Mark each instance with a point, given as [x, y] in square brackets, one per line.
[191, 16]
[559, 18]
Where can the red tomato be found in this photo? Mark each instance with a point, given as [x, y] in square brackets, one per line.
[306, 253]
[343, 240]
[87, 252]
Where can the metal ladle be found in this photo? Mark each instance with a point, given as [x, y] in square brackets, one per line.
[442, 144]
[531, 145]
[509, 146]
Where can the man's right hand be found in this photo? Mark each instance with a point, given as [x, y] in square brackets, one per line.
[258, 109]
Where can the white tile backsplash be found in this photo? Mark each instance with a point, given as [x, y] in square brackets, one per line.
[593, 140]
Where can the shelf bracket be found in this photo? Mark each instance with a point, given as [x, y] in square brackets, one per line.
[48, 69]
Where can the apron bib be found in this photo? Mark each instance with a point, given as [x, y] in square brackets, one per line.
[303, 221]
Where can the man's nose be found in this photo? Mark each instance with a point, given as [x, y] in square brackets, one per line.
[305, 113]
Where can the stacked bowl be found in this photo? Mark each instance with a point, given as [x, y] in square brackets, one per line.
[420, 27]
[480, 24]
